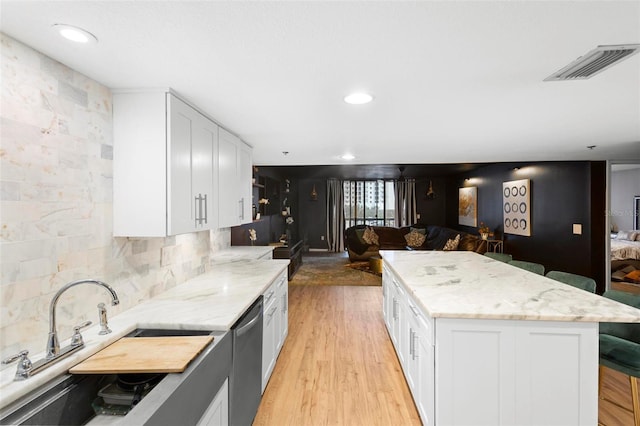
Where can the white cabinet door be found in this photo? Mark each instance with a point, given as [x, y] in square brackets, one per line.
[191, 144]
[269, 333]
[234, 177]
[217, 414]
[163, 166]
[228, 196]
[245, 188]
[283, 311]
[426, 381]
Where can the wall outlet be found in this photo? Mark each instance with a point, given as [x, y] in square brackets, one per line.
[418, 216]
[577, 228]
[321, 237]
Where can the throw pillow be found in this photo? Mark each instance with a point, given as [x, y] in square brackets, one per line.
[370, 236]
[634, 276]
[415, 238]
[452, 244]
[624, 235]
[423, 231]
[360, 234]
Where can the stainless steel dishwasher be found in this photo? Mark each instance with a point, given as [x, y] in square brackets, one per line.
[246, 372]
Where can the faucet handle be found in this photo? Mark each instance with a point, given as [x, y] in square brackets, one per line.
[76, 339]
[24, 366]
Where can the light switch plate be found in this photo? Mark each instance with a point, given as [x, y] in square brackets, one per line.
[577, 228]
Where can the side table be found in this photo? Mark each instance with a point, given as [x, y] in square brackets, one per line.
[496, 246]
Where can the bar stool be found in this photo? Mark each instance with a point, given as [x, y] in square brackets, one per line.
[502, 257]
[536, 268]
[620, 348]
[583, 283]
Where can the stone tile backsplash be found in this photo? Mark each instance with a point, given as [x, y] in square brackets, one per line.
[56, 152]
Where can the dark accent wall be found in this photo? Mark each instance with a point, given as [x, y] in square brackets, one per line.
[562, 193]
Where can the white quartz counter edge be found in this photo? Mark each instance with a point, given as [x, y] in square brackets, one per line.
[460, 284]
[212, 301]
[235, 253]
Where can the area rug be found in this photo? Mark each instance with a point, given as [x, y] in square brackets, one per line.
[333, 269]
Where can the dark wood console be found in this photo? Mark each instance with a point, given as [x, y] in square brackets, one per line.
[293, 253]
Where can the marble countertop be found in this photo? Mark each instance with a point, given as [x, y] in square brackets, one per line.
[211, 301]
[458, 284]
[234, 253]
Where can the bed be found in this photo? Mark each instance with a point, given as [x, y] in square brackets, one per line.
[625, 246]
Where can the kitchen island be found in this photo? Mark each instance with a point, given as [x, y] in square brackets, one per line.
[482, 342]
[212, 301]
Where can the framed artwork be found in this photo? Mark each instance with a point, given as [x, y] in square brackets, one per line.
[468, 206]
[636, 213]
[516, 207]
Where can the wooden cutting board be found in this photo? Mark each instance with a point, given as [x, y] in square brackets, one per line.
[170, 354]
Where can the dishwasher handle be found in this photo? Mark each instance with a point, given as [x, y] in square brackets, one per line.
[245, 328]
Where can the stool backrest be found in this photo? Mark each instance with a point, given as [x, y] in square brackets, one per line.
[529, 266]
[502, 257]
[622, 330]
[584, 283]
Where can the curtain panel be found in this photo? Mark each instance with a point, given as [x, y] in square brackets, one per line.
[335, 215]
[406, 209]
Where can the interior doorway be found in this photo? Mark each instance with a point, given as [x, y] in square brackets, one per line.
[623, 218]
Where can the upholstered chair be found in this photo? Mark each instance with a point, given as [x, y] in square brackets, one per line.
[536, 268]
[583, 283]
[620, 347]
[502, 257]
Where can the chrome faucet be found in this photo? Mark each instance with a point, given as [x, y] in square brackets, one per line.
[53, 346]
[27, 369]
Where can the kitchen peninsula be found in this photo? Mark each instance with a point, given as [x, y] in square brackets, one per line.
[483, 342]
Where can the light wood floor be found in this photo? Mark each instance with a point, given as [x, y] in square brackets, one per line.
[338, 366]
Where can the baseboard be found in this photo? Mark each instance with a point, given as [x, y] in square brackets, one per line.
[317, 249]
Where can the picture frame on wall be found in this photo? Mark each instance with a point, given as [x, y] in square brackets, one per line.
[468, 206]
[516, 207]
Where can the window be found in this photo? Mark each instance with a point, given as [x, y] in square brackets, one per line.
[369, 202]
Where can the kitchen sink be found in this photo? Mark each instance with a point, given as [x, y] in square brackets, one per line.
[67, 400]
[64, 401]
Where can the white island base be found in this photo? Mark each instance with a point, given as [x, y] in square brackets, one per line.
[482, 342]
[503, 372]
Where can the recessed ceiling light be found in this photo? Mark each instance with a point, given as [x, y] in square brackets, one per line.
[358, 98]
[348, 157]
[76, 34]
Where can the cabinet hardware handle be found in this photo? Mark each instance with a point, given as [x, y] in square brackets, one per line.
[414, 310]
[416, 341]
[273, 311]
[411, 343]
[195, 210]
[206, 213]
[269, 296]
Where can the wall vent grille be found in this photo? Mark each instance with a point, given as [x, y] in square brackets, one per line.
[594, 62]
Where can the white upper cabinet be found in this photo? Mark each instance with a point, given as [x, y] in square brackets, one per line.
[234, 174]
[164, 158]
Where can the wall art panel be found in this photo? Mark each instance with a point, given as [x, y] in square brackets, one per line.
[516, 207]
[468, 206]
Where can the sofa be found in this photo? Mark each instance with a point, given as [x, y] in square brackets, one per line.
[361, 243]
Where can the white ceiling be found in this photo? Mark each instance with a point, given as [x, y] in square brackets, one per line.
[453, 81]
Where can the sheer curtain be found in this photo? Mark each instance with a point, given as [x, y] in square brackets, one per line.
[406, 211]
[335, 215]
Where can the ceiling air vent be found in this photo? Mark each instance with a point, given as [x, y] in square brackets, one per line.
[597, 60]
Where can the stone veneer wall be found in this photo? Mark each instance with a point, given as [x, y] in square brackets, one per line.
[56, 206]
